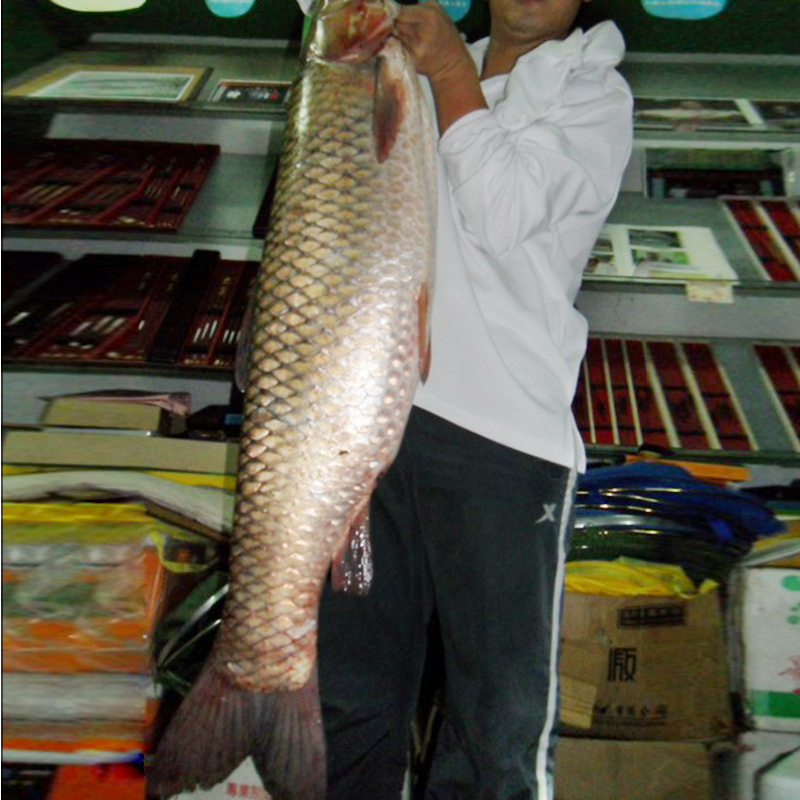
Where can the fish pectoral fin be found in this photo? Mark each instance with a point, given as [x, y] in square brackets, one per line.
[424, 332]
[351, 569]
[389, 105]
[220, 724]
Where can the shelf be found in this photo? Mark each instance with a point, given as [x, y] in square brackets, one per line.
[633, 210]
[720, 139]
[696, 397]
[223, 213]
[687, 75]
[275, 61]
[24, 387]
[656, 310]
[220, 218]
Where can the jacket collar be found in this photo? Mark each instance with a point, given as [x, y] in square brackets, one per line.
[527, 95]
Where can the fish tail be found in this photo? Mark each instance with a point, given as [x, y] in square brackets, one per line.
[220, 724]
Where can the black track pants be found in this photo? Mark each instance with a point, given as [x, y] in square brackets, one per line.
[477, 532]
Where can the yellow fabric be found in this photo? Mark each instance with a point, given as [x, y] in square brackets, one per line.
[94, 523]
[625, 577]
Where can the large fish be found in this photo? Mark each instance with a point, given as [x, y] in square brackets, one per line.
[339, 345]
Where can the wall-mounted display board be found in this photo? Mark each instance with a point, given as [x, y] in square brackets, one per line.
[770, 229]
[116, 82]
[132, 310]
[635, 392]
[116, 185]
[780, 368]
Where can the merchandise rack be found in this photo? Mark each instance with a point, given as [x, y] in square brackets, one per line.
[222, 216]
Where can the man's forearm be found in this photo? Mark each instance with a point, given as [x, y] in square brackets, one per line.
[456, 93]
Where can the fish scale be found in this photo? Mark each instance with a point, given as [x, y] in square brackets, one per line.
[336, 330]
[338, 342]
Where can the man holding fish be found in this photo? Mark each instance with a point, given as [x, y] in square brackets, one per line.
[471, 516]
[471, 524]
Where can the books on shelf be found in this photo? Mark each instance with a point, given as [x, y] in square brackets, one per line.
[76, 412]
[54, 447]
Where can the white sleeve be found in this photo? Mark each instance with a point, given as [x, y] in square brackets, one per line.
[511, 176]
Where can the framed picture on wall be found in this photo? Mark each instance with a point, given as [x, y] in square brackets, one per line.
[782, 114]
[247, 93]
[691, 114]
[658, 254]
[117, 83]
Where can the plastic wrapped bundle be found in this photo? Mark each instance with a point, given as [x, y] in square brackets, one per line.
[661, 514]
[83, 585]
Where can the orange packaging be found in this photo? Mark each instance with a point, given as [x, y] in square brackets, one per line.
[84, 585]
[100, 782]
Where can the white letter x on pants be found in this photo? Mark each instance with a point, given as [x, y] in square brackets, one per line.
[549, 511]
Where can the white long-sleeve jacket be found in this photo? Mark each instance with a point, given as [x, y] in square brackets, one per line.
[524, 188]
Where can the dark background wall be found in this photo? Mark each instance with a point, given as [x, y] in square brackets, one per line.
[36, 29]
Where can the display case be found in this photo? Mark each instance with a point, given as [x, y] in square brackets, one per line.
[209, 82]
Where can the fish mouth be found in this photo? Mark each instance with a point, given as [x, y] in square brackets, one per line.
[353, 31]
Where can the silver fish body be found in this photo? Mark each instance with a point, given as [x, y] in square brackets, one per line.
[339, 346]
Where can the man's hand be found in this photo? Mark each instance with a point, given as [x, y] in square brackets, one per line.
[432, 39]
[440, 54]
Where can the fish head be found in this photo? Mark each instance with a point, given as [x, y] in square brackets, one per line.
[351, 31]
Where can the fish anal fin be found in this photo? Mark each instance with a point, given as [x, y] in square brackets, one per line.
[351, 569]
[424, 333]
[220, 724]
[389, 105]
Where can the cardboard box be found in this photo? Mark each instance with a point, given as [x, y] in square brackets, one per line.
[781, 781]
[663, 675]
[242, 782]
[755, 751]
[85, 413]
[578, 668]
[766, 610]
[604, 769]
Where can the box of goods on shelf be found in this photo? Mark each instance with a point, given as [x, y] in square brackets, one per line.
[644, 651]
[84, 585]
[661, 708]
[650, 675]
[764, 653]
[765, 607]
[608, 769]
[754, 754]
[647, 688]
[120, 430]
